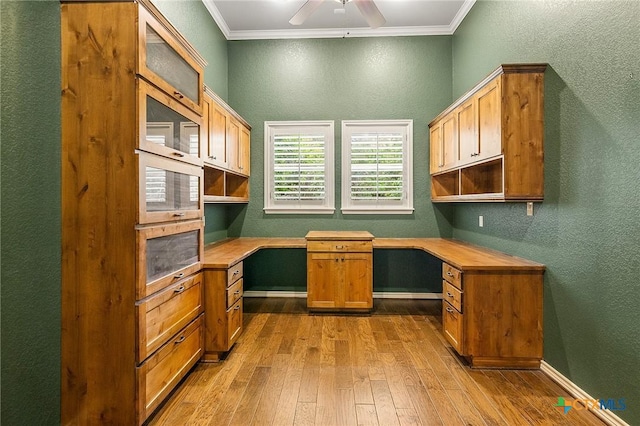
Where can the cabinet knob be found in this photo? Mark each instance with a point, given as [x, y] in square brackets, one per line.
[213, 157]
[179, 289]
[180, 275]
[449, 310]
[236, 292]
[237, 308]
[178, 95]
[178, 154]
[449, 274]
[178, 214]
[236, 272]
[449, 295]
[180, 340]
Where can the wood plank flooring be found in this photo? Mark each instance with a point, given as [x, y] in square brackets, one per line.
[392, 367]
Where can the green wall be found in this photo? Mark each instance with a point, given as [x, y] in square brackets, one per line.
[341, 79]
[587, 230]
[30, 212]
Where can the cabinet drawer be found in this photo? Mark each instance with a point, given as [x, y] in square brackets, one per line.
[164, 314]
[234, 273]
[234, 322]
[452, 295]
[163, 370]
[452, 275]
[167, 62]
[234, 293]
[168, 190]
[453, 326]
[166, 254]
[340, 246]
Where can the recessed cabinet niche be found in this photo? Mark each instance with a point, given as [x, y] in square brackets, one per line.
[132, 208]
[225, 152]
[488, 145]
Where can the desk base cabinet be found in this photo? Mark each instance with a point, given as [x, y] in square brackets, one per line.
[494, 318]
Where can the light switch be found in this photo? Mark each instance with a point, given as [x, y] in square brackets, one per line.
[530, 208]
[480, 221]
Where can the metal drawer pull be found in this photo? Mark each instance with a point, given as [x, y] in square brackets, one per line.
[178, 154]
[339, 247]
[236, 272]
[178, 94]
[179, 289]
[180, 340]
[236, 292]
[180, 275]
[237, 308]
[449, 294]
[450, 310]
[178, 214]
[213, 157]
[449, 274]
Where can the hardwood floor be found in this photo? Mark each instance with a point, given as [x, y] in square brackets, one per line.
[392, 367]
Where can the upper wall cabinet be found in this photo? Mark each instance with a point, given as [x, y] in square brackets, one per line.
[225, 151]
[488, 145]
[164, 61]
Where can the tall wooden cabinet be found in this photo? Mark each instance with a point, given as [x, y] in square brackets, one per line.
[488, 145]
[339, 270]
[225, 152]
[132, 208]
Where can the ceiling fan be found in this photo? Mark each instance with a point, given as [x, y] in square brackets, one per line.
[368, 9]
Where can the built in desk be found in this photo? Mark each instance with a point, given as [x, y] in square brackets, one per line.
[492, 301]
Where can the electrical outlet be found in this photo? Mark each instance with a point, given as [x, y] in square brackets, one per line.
[530, 208]
[480, 221]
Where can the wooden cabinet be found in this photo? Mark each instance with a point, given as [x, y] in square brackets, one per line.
[225, 152]
[339, 270]
[223, 305]
[132, 207]
[493, 317]
[497, 132]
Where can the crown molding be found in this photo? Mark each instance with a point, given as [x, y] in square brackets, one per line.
[338, 32]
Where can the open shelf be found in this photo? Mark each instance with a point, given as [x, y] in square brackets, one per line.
[484, 178]
[445, 184]
[223, 186]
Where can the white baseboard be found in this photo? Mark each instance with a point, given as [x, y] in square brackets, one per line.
[606, 416]
[376, 295]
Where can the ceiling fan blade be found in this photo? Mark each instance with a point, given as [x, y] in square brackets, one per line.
[371, 13]
[305, 11]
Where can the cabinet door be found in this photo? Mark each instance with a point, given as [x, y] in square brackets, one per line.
[322, 282]
[449, 142]
[216, 148]
[357, 280]
[245, 151]
[233, 144]
[489, 121]
[435, 148]
[167, 128]
[467, 135]
[168, 190]
[167, 64]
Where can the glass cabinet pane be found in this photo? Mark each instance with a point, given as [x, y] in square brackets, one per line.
[170, 253]
[163, 60]
[167, 190]
[165, 127]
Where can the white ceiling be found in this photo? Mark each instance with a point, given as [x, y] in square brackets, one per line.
[269, 19]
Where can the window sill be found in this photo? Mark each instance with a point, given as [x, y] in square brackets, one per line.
[378, 210]
[280, 210]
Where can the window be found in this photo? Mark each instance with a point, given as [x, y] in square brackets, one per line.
[377, 159]
[299, 167]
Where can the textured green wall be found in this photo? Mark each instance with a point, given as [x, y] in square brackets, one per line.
[587, 230]
[30, 209]
[340, 79]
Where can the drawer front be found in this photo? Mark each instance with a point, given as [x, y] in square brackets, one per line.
[234, 293]
[169, 190]
[452, 275]
[234, 322]
[452, 295]
[164, 369]
[340, 246]
[234, 273]
[167, 254]
[164, 314]
[453, 326]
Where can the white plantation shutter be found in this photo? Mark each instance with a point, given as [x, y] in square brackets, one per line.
[299, 167]
[377, 166]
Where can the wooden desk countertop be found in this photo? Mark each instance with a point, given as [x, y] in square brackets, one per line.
[459, 254]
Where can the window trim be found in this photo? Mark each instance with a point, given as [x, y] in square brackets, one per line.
[328, 205]
[404, 206]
